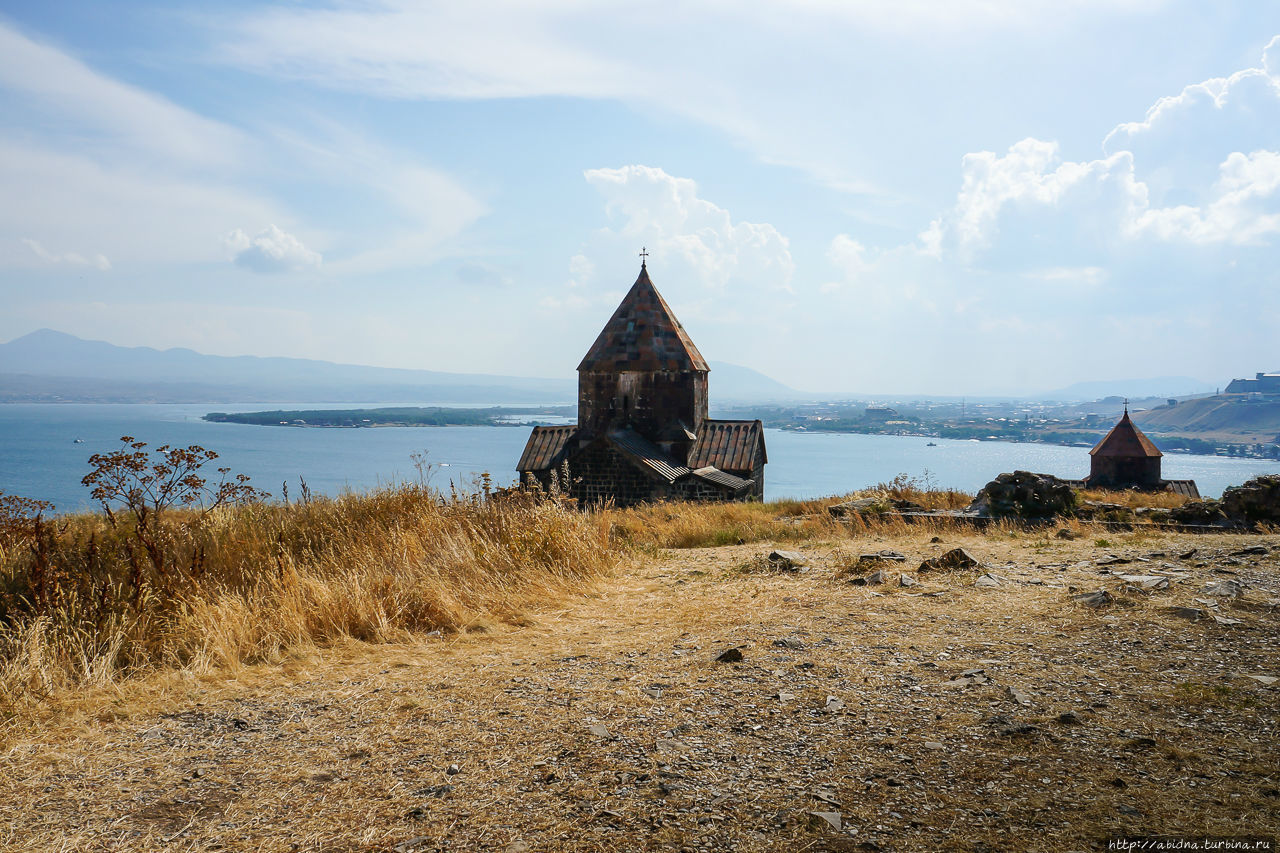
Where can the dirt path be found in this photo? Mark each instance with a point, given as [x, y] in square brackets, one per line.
[849, 723]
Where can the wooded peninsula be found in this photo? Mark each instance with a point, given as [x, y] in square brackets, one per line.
[397, 417]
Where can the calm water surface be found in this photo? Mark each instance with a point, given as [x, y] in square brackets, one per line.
[39, 457]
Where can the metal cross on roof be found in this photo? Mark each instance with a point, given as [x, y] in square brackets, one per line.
[644, 253]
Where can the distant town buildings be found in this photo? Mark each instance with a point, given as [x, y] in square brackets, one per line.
[643, 433]
[880, 413]
[1262, 383]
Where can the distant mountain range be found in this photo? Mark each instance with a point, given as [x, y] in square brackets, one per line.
[53, 366]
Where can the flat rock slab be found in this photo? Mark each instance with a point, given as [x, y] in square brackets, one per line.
[873, 579]
[1224, 589]
[1146, 581]
[956, 558]
[883, 557]
[860, 506]
[787, 561]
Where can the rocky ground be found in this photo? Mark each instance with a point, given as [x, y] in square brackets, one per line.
[986, 707]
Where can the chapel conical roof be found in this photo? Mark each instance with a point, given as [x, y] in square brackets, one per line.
[643, 335]
[1125, 439]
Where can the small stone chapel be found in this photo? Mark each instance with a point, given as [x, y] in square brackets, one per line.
[1126, 459]
[643, 433]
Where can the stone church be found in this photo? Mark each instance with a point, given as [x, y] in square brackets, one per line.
[1126, 459]
[643, 433]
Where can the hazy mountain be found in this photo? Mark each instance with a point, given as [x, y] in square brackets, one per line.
[1161, 386]
[50, 365]
[732, 382]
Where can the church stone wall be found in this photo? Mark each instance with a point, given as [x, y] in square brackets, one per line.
[652, 402]
[600, 473]
[1124, 472]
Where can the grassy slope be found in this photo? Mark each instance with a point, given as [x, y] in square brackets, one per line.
[1219, 418]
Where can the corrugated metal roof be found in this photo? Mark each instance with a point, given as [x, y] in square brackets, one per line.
[728, 445]
[722, 478]
[546, 447]
[1125, 439]
[648, 455]
[642, 335]
[1184, 487]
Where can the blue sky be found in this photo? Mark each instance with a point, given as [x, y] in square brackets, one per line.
[895, 196]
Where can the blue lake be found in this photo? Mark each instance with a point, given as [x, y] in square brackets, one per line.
[39, 457]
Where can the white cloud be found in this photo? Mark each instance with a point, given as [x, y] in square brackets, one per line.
[504, 48]
[89, 160]
[130, 215]
[1158, 241]
[686, 232]
[414, 212]
[1184, 138]
[703, 60]
[1027, 208]
[120, 115]
[1218, 101]
[1244, 209]
[1081, 277]
[1271, 57]
[899, 285]
[1181, 175]
[1040, 208]
[270, 251]
[75, 259]
[849, 257]
[581, 270]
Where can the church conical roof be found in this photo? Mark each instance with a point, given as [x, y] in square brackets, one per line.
[642, 335]
[1125, 439]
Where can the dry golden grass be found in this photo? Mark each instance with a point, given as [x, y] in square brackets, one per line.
[680, 525]
[80, 606]
[1135, 499]
[82, 602]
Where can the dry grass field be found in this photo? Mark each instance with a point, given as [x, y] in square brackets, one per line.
[942, 715]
